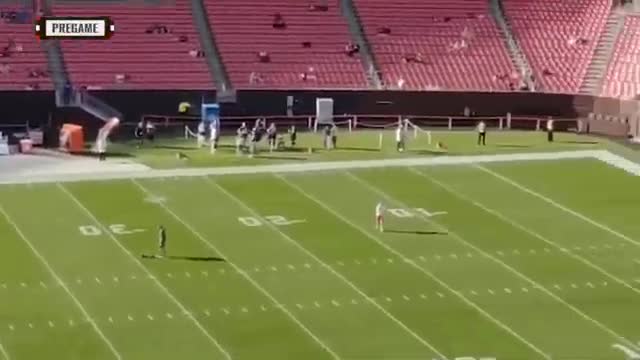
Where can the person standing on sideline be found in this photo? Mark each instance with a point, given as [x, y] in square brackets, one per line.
[334, 136]
[400, 138]
[162, 241]
[293, 135]
[550, 130]
[327, 137]
[214, 137]
[140, 132]
[482, 133]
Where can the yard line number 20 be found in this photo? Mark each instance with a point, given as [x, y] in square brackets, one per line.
[277, 220]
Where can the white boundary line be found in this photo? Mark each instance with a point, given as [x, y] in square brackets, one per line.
[147, 271]
[602, 155]
[240, 271]
[499, 262]
[506, 219]
[64, 286]
[329, 268]
[558, 205]
[4, 352]
[418, 267]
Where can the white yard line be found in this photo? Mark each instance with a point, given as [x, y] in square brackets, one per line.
[62, 284]
[329, 268]
[147, 271]
[523, 228]
[498, 261]
[245, 274]
[558, 205]
[418, 267]
[4, 352]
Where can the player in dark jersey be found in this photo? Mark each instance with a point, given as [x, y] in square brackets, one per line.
[139, 133]
[293, 135]
[162, 241]
[272, 133]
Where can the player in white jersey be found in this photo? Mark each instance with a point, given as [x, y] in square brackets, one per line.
[380, 217]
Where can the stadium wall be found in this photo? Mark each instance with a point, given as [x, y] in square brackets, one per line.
[38, 107]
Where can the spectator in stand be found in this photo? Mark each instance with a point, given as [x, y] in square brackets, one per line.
[352, 49]
[255, 78]
[196, 53]
[5, 69]
[157, 29]
[316, 7]
[264, 57]
[121, 78]
[278, 21]
[412, 58]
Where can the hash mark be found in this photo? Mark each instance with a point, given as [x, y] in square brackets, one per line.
[592, 247]
[340, 263]
[71, 323]
[170, 275]
[507, 290]
[604, 283]
[206, 312]
[317, 304]
[547, 250]
[608, 246]
[4, 286]
[24, 285]
[133, 277]
[390, 260]
[454, 256]
[357, 262]
[273, 268]
[187, 274]
[374, 261]
[557, 286]
[299, 306]
[110, 319]
[30, 325]
[469, 255]
[245, 310]
[577, 248]
[438, 257]
[307, 265]
[564, 249]
[590, 285]
[204, 273]
[491, 292]
[500, 253]
[524, 289]
[574, 286]
[516, 252]
[440, 294]
[423, 296]
[11, 327]
[354, 301]
[226, 311]
[256, 269]
[422, 258]
[129, 317]
[291, 267]
[43, 285]
[79, 281]
[406, 297]
[388, 299]
[532, 251]
[221, 271]
[263, 308]
[149, 317]
[51, 324]
[473, 292]
[169, 316]
[115, 279]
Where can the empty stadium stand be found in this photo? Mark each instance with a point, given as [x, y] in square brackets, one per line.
[558, 37]
[148, 61]
[242, 29]
[622, 79]
[25, 66]
[431, 30]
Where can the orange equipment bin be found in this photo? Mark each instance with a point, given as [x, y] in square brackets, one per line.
[72, 138]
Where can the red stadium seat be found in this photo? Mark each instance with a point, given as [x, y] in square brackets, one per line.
[151, 61]
[623, 75]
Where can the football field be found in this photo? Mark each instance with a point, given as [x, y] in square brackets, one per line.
[506, 261]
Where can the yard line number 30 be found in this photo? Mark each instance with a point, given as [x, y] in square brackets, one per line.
[117, 229]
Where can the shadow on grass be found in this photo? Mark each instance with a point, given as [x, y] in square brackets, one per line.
[428, 152]
[416, 232]
[186, 258]
[583, 142]
[279, 157]
[353, 148]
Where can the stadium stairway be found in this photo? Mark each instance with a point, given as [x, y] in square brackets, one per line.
[438, 44]
[309, 52]
[594, 79]
[558, 37]
[518, 57]
[366, 55]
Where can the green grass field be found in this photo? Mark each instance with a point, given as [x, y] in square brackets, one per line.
[505, 261]
[360, 145]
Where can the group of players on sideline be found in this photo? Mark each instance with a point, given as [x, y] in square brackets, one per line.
[247, 139]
